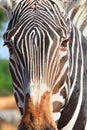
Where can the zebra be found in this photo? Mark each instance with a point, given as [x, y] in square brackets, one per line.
[47, 60]
[77, 13]
[69, 4]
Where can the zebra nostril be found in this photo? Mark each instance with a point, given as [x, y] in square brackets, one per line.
[23, 128]
[49, 128]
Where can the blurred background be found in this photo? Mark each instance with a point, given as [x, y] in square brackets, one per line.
[9, 114]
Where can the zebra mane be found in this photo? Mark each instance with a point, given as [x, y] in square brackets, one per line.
[69, 4]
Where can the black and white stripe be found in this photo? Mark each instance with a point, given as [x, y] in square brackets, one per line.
[78, 15]
[47, 54]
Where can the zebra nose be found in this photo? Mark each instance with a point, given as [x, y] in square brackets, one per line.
[23, 128]
[34, 129]
[50, 128]
[29, 128]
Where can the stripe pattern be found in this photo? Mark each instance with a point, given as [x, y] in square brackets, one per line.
[46, 55]
[78, 15]
[78, 90]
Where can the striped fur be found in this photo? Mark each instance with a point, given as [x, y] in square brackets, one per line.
[69, 4]
[47, 66]
[77, 13]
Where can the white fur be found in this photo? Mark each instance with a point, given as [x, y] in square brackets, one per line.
[86, 126]
[36, 91]
[56, 116]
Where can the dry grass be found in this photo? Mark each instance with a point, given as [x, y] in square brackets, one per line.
[7, 126]
[7, 102]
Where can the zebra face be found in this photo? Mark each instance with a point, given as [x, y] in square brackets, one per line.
[37, 38]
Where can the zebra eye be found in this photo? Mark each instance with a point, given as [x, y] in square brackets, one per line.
[64, 43]
[10, 47]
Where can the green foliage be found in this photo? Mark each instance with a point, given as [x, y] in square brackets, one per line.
[3, 17]
[2, 14]
[5, 79]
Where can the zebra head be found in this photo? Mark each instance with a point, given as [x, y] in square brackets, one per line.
[37, 38]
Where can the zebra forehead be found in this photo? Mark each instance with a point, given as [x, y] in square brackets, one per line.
[55, 16]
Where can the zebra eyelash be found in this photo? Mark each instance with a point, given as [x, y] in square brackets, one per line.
[10, 47]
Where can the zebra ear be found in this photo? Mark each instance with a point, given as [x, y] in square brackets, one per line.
[8, 5]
